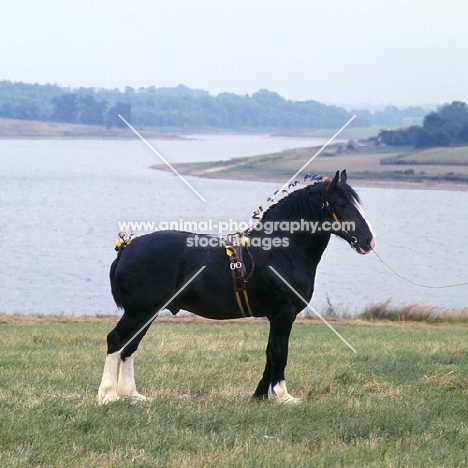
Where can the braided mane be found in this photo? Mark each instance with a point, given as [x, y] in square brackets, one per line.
[297, 202]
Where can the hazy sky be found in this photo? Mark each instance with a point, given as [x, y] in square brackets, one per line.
[361, 51]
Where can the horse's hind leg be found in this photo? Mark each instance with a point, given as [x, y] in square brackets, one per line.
[123, 340]
[108, 388]
[126, 386]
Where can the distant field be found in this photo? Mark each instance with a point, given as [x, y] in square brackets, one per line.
[14, 128]
[432, 168]
[363, 163]
[349, 133]
[438, 156]
[18, 129]
[400, 401]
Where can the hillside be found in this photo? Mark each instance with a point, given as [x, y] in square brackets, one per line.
[183, 109]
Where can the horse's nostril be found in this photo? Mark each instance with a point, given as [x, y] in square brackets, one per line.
[368, 242]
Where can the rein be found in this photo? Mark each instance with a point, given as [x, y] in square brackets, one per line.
[413, 282]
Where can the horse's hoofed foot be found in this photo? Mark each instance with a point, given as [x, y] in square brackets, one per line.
[281, 395]
[107, 399]
[104, 399]
[126, 387]
[108, 389]
[136, 397]
[107, 394]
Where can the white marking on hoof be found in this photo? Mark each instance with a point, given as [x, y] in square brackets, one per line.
[137, 398]
[107, 399]
[126, 385]
[281, 395]
[108, 388]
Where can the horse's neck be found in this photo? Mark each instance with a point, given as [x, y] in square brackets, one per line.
[292, 210]
[306, 244]
[309, 247]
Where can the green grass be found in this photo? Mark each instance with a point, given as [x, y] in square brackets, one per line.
[400, 401]
[454, 155]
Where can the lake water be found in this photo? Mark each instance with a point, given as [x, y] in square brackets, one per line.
[61, 201]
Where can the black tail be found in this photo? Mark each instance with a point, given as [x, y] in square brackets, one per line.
[112, 281]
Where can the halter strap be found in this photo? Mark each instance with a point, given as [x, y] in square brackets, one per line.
[351, 239]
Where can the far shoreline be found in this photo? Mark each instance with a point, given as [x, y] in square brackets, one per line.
[238, 169]
[357, 183]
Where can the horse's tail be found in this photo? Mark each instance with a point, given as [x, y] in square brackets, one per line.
[114, 287]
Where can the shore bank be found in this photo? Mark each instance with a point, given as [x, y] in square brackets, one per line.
[424, 170]
[12, 129]
[363, 164]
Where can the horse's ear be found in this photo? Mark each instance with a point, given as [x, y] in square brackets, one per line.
[334, 183]
[344, 176]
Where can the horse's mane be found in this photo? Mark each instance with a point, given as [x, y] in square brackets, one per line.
[296, 202]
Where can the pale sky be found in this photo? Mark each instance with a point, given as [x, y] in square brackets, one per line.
[401, 52]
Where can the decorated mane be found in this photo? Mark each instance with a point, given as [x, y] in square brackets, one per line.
[316, 181]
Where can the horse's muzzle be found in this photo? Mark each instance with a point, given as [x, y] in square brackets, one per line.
[369, 244]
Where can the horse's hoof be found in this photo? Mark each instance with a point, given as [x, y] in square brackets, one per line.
[290, 400]
[104, 400]
[280, 394]
[137, 397]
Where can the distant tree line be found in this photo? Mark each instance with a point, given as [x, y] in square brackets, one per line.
[447, 126]
[183, 109]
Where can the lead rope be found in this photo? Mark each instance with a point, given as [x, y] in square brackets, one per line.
[413, 282]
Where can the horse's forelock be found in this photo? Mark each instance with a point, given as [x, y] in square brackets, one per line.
[350, 194]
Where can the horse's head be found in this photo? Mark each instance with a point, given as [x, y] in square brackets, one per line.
[347, 216]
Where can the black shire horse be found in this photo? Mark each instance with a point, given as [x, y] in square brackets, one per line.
[151, 271]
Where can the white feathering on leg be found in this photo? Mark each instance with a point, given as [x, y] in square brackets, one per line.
[280, 393]
[126, 385]
[108, 388]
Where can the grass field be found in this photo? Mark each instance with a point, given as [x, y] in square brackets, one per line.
[455, 156]
[363, 163]
[32, 129]
[400, 401]
[416, 169]
[349, 133]
[18, 129]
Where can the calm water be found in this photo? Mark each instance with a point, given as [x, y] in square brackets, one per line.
[61, 202]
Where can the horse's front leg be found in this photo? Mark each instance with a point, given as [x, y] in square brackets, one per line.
[273, 383]
[261, 392]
